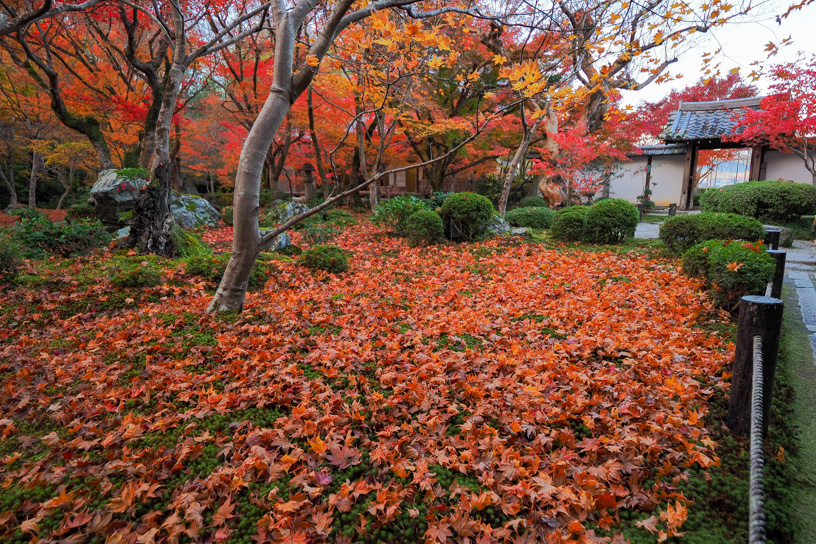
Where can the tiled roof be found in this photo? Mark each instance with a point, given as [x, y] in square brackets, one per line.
[705, 120]
[661, 149]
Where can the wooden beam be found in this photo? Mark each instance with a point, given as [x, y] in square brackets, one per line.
[757, 158]
[689, 173]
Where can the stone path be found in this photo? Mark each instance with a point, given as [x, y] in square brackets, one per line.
[799, 271]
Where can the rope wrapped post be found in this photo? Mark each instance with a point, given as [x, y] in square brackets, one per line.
[772, 238]
[757, 316]
[779, 273]
[756, 498]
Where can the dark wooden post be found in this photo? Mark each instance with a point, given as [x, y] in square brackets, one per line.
[772, 238]
[672, 209]
[640, 211]
[757, 316]
[779, 272]
[689, 175]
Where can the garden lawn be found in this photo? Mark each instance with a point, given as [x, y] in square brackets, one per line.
[454, 393]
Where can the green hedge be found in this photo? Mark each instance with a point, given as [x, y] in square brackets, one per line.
[469, 213]
[681, 232]
[769, 201]
[611, 220]
[424, 228]
[569, 224]
[395, 212]
[531, 216]
[533, 202]
[733, 268]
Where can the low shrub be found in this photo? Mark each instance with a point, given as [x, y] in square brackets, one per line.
[325, 257]
[315, 201]
[533, 202]
[569, 224]
[395, 212]
[189, 244]
[290, 250]
[39, 235]
[80, 210]
[9, 258]
[681, 232]
[732, 268]
[424, 228]
[492, 185]
[315, 233]
[212, 268]
[611, 220]
[769, 201]
[532, 216]
[468, 213]
[136, 272]
[227, 213]
[435, 201]
[24, 213]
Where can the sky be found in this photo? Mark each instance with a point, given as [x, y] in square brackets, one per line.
[742, 44]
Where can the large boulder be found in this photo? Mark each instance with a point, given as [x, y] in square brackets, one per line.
[499, 227]
[193, 211]
[114, 196]
[278, 242]
[280, 212]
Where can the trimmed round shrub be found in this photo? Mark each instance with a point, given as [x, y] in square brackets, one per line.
[569, 224]
[681, 232]
[532, 217]
[733, 268]
[468, 213]
[424, 228]
[768, 201]
[611, 220]
[395, 212]
[325, 257]
[533, 202]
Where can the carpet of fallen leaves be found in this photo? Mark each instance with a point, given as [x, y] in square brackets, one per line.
[497, 391]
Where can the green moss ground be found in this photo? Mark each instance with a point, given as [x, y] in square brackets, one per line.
[797, 355]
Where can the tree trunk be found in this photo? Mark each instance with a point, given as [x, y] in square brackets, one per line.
[32, 182]
[10, 186]
[321, 172]
[518, 159]
[152, 220]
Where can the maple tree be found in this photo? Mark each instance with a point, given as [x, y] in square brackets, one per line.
[786, 119]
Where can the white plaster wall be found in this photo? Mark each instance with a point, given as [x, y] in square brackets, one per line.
[628, 179]
[782, 165]
[667, 179]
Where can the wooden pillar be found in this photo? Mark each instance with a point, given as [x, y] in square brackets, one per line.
[757, 316]
[757, 158]
[689, 173]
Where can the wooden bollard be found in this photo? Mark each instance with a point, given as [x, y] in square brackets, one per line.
[779, 272]
[672, 210]
[757, 316]
[772, 238]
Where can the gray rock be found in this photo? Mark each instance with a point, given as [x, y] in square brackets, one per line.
[499, 227]
[193, 211]
[785, 235]
[114, 197]
[124, 232]
[278, 242]
[284, 211]
[520, 231]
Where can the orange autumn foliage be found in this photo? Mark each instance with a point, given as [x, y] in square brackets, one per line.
[558, 382]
